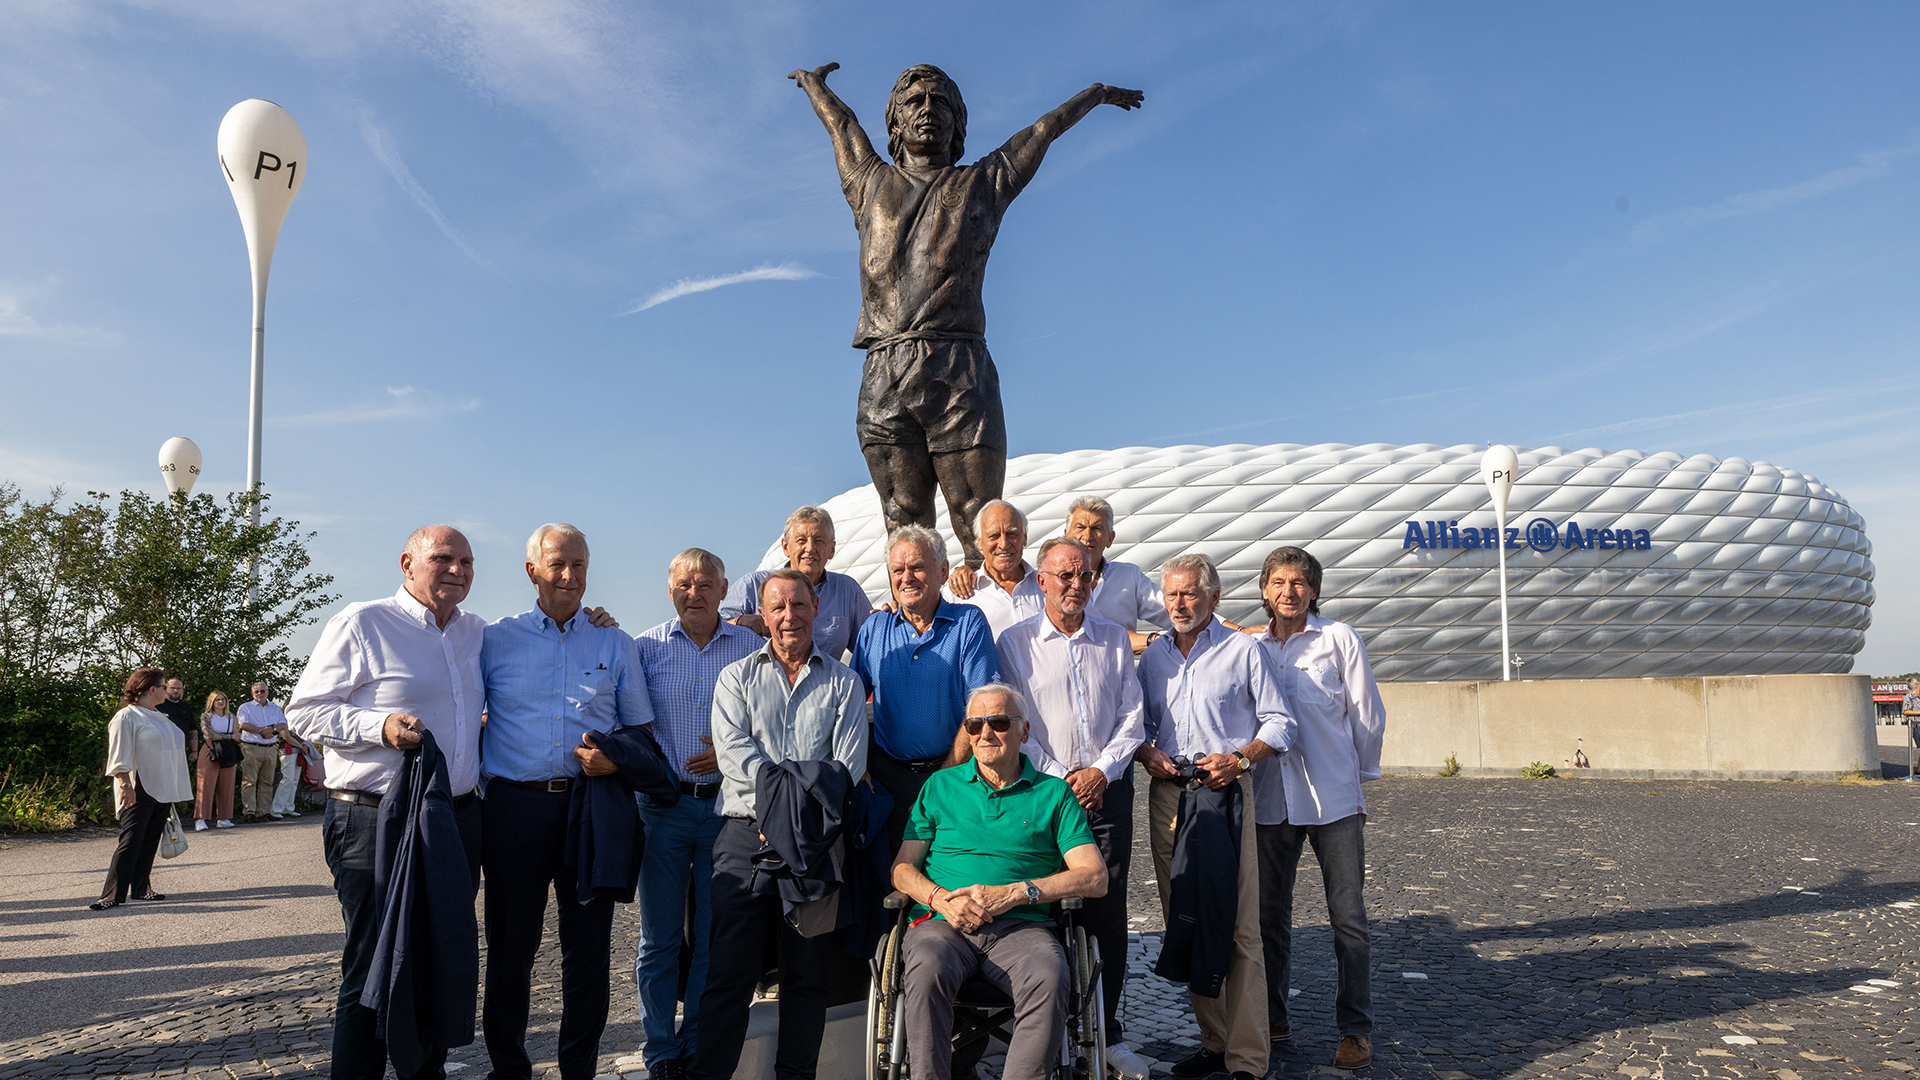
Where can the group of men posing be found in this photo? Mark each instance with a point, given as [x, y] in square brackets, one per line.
[1007, 712]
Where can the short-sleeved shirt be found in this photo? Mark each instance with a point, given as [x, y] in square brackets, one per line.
[182, 715]
[979, 836]
[843, 607]
[925, 234]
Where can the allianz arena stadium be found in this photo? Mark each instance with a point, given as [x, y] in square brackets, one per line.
[1619, 565]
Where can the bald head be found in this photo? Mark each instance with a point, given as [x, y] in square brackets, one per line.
[437, 567]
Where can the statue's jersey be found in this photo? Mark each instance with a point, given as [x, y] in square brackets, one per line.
[925, 235]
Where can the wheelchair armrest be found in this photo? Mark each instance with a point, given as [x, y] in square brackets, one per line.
[1071, 903]
[896, 900]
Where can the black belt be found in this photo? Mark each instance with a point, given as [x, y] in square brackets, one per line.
[559, 785]
[919, 766]
[700, 791]
[368, 798]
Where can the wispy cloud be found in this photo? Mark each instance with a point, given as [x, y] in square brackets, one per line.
[1867, 166]
[689, 286]
[16, 323]
[404, 403]
[1798, 414]
[380, 141]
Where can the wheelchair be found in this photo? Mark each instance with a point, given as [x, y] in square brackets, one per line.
[981, 1009]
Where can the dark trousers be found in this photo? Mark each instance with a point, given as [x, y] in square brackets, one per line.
[348, 832]
[523, 851]
[140, 827]
[902, 780]
[1341, 850]
[741, 919]
[1106, 917]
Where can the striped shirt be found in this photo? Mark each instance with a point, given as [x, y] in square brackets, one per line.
[680, 680]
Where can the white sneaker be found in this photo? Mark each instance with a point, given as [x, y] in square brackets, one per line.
[200, 825]
[275, 817]
[293, 813]
[1125, 1063]
[223, 824]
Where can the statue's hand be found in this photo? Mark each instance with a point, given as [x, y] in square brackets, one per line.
[1126, 99]
[817, 75]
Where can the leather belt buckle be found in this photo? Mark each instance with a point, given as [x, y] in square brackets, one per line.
[700, 791]
[558, 785]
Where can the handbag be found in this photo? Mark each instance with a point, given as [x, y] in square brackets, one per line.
[173, 839]
[226, 753]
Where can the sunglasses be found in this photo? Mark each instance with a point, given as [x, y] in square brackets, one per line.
[973, 724]
[1084, 577]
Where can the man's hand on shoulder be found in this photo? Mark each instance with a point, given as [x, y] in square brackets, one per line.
[401, 731]
[600, 619]
[753, 622]
[962, 581]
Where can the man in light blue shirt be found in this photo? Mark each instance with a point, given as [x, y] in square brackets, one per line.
[683, 658]
[808, 543]
[551, 677]
[920, 662]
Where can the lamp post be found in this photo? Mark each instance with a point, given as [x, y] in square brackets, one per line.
[264, 159]
[1498, 468]
[179, 465]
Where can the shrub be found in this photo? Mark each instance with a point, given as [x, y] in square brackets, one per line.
[1451, 766]
[1537, 770]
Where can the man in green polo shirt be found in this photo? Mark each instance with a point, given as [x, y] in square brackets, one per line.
[989, 845]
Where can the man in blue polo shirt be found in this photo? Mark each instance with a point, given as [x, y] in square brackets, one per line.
[920, 661]
[991, 844]
[551, 677]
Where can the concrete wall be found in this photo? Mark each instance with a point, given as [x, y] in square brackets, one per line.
[1755, 727]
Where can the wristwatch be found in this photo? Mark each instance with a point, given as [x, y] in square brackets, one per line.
[1033, 892]
[1241, 759]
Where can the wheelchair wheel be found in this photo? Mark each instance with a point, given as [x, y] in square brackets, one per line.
[883, 998]
[1088, 1025]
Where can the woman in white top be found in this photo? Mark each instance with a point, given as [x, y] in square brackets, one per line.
[147, 758]
[217, 731]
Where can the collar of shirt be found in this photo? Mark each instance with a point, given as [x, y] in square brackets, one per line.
[420, 612]
[1315, 624]
[1049, 630]
[1028, 774]
[942, 614]
[764, 655]
[1031, 582]
[724, 630]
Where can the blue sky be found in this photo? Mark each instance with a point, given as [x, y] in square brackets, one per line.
[1627, 226]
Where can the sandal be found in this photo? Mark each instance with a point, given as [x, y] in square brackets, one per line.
[104, 903]
[151, 895]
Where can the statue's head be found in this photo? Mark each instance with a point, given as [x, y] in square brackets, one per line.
[924, 85]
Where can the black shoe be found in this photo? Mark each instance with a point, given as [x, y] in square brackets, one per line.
[1238, 1074]
[1201, 1062]
[151, 895]
[104, 903]
[674, 1069]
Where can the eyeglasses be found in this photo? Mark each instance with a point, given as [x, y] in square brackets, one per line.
[1084, 577]
[973, 724]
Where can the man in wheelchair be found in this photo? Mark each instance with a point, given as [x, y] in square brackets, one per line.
[990, 845]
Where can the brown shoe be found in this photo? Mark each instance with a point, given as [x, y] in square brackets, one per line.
[1356, 1052]
[1281, 1034]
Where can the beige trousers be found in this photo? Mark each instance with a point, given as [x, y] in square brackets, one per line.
[256, 778]
[1236, 1021]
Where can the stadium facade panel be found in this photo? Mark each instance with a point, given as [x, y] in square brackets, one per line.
[1618, 564]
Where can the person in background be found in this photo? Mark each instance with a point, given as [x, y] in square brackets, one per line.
[1314, 794]
[261, 726]
[808, 544]
[218, 729]
[176, 709]
[682, 658]
[291, 747]
[1009, 591]
[146, 756]
[1122, 592]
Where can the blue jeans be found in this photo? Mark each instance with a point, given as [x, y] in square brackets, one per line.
[679, 848]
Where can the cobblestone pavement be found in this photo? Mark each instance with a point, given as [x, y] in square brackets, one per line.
[1574, 928]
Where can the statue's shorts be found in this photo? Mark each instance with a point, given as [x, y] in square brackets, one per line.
[940, 392]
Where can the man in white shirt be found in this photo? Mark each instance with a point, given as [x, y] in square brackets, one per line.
[261, 722]
[1076, 671]
[1212, 700]
[382, 672]
[1314, 795]
[1122, 592]
[1009, 591]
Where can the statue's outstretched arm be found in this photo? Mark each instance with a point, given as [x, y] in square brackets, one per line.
[1027, 148]
[851, 146]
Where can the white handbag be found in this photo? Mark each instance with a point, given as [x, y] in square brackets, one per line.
[173, 839]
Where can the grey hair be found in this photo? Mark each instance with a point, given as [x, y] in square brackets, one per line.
[927, 540]
[1061, 541]
[1193, 563]
[1018, 515]
[565, 531]
[697, 559]
[1093, 504]
[807, 515]
[261, 685]
[1019, 700]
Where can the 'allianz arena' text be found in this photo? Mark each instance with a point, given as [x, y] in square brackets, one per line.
[1618, 565]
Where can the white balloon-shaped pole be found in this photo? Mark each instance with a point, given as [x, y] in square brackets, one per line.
[264, 159]
[179, 465]
[1498, 468]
